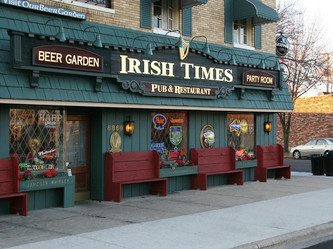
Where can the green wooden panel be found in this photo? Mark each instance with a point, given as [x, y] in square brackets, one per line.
[4, 206]
[248, 174]
[271, 173]
[187, 21]
[264, 138]
[4, 131]
[257, 37]
[54, 198]
[228, 21]
[197, 120]
[39, 199]
[215, 180]
[179, 183]
[137, 189]
[179, 171]
[99, 138]
[31, 200]
[146, 14]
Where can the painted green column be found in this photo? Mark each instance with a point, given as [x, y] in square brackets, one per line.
[4, 131]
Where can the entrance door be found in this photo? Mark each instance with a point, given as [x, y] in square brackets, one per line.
[78, 153]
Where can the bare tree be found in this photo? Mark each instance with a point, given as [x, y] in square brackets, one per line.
[304, 59]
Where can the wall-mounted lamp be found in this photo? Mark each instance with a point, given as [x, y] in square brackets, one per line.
[98, 41]
[277, 64]
[148, 49]
[267, 127]
[262, 64]
[61, 34]
[205, 49]
[129, 127]
[179, 42]
[232, 61]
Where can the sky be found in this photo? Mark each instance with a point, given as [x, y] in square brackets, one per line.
[320, 12]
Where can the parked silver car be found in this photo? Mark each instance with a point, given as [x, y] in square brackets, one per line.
[314, 146]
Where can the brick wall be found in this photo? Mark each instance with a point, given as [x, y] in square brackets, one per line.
[306, 126]
[208, 19]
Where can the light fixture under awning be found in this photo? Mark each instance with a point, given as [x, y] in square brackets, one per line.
[261, 13]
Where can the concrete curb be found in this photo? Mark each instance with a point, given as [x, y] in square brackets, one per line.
[298, 239]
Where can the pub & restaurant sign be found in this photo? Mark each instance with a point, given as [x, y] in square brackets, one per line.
[163, 74]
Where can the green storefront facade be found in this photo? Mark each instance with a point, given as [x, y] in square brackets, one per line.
[64, 81]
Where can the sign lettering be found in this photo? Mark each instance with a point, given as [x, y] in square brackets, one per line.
[154, 88]
[258, 78]
[159, 68]
[45, 8]
[67, 57]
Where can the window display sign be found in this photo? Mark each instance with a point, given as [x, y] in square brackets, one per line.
[207, 137]
[169, 135]
[241, 135]
[159, 121]
[176, 136]
[36, 138]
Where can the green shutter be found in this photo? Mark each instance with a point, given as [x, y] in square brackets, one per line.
[257, 36]
[228, 21]
[146, 14]
[187, 21]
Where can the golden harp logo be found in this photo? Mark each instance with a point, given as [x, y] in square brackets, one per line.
[184, 50]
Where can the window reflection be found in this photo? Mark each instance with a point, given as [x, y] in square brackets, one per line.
[241, 135]
[76, 143]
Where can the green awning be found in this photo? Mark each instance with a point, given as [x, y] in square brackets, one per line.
[255, 9]
[191, 3]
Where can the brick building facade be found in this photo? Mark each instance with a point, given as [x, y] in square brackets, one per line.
[311, 118]
[208, 19]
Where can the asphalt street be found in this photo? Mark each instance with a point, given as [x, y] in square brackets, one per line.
[302, 165]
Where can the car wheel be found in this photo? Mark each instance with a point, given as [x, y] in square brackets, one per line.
[297, 154]
[326, 152]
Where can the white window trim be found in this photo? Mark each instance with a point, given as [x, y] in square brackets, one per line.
[238, 45]
[164, 32]
[87, 6]
[249, 37]
[165, 16]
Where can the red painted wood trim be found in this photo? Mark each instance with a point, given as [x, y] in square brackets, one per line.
[10, 186]
[132, 167]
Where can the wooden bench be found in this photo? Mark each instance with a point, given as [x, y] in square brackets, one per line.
[215, 161]
[270, 157]
[132, 167]
[10, 186]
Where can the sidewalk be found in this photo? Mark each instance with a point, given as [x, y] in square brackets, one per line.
[276, 214]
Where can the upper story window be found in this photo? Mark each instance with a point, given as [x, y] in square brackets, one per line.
[166, 14]
[242, 32]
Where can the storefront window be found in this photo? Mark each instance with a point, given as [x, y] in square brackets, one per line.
[241, 135]
[36, 138]
[169, 135]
